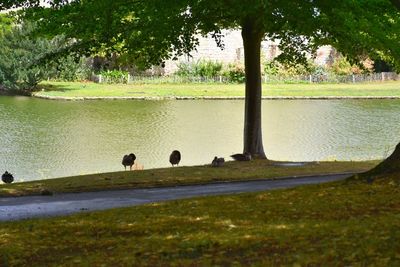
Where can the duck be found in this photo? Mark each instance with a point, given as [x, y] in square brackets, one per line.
[128, 160]
[217, 162]
[175, 157]
[246, 156]
[7, 177]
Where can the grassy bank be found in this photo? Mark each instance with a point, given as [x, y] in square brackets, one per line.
[232, 171]
[335, 224]
[89, 89]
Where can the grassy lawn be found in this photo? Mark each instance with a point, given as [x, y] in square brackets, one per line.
[89, 89]
[231, 171]
[335, 224]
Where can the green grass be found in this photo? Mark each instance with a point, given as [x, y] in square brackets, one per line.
[89, 89]
[335, 224]
[232, 171]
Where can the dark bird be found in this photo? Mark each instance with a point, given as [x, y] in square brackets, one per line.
[7, 177]
[175, 157]
[217, 162]
[242, 157]
[128, 160]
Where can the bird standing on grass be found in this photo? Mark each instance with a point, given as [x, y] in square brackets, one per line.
[242, 157]
[217, 162]
[7, 177]
[175, 157]
[128, 160]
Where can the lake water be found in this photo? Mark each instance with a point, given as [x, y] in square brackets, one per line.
[44, 139]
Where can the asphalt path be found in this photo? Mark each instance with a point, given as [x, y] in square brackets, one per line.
[16, 208]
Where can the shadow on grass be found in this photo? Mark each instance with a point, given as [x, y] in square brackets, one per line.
[58, 88]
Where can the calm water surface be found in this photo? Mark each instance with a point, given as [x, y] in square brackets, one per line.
[44, 139]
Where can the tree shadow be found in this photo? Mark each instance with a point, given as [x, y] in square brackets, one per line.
[56, 88]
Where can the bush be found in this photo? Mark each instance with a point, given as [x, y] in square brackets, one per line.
[208, 68]
[271, 68]
[235, 73]
[341, 67]
[185, 69]
[114, 76]
[201, 68]
[70, 68]
[274, 68]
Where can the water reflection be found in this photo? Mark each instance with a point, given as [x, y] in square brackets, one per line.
[44, 139]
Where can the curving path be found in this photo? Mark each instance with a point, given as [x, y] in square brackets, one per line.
[16, 208]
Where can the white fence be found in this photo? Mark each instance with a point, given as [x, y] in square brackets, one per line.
[329, 78]
[355, 78]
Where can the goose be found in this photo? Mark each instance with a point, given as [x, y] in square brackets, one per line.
[7, 177]
[217, 162]
[128, 160]
[246, 156]
[175, 157]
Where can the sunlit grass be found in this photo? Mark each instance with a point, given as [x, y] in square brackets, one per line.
[336, 224]
[231, 171]
[89, 89]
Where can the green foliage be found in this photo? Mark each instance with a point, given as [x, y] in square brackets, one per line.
[208, 68]
[235, 73]
[144, 29]
[6, 23]
[271, 68]
[274, 68]
[341, 66]
[25, 60]
[114, 76]
[20, 57]
[185, 69]
[201, 68]
[69, 68]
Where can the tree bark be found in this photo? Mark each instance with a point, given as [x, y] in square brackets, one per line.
[252, 37]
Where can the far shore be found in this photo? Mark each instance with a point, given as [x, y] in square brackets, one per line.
[154, 98]
[215, 91]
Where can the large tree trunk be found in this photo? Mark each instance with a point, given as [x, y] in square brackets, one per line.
[388, 166]
[252, 37]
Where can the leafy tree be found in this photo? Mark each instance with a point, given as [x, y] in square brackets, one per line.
[18, 58]
[69, 67]
[26, 59]
[154, 30]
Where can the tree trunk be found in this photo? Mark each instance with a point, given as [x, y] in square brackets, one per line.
[388, 166]
[252, 37]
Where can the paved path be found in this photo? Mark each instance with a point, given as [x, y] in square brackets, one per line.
[16, 208]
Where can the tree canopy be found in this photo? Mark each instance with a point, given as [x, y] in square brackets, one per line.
[154, 30]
